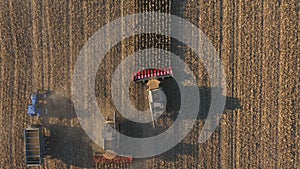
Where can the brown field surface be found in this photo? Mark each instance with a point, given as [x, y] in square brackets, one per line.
[257, 41]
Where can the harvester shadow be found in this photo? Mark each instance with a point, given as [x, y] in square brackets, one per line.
[139, 130]
[171, 90]
[173, 95]
[145, 130]
[71, 145]
[231, 103]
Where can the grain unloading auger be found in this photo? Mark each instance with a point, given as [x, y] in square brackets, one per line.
[157, 99]
[38, 103]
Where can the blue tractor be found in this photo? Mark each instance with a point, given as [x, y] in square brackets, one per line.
[38, 103]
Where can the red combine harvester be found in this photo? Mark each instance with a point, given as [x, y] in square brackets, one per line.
[156, 97]
[110, 144]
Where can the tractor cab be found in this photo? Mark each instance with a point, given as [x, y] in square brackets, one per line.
[38, 103]
[32, 111]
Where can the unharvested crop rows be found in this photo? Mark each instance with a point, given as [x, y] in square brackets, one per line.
[148, 40]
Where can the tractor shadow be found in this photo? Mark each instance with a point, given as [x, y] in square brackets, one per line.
[71, 145]
[60, 107]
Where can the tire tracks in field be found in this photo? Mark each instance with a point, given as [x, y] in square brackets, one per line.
[8, 95]
[24, 63]
[220, 130]
[270, 79]
[203, 22]
[232, 56]
[252, 52]
[244, 54]
[262, 23]
[2, 84]
[258, 41]
[277, 86]
[10, 119]
[37, 44]
[256, 31]
[234, 70]
[14, 73]
[287, 149]
[48, 46]
[207, 25]
[238, 79]
[228, 54]
[253, 85]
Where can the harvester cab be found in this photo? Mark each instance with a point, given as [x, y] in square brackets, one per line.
[156, 97]
[38, 103]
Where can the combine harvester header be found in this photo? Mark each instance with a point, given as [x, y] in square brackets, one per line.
[148, 74]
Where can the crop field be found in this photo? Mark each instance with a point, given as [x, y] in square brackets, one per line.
[257, 41]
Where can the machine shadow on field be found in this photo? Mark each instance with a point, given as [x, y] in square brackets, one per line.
[172, 93]
[165, 120]
[140, 130]
[71, 145]
[60, 107]
[231, 103]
